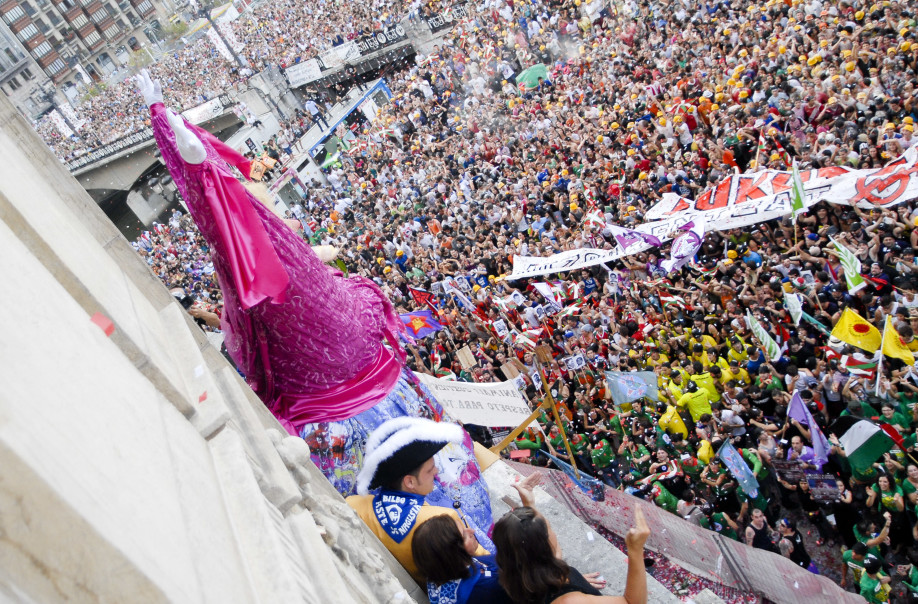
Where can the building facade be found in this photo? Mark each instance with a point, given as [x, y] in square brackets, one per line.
[66, 44]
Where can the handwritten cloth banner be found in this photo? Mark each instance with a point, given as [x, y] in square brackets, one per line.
[495, 405]
[887, 186]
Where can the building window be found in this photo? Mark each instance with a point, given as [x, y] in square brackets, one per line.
[26, 73]
[13, 15]
[11, 55]
[79, 22]
[14, 84]
[42, 26]
[92, 38]
[28, 9]
[99, 16]
[67, 5]
[56, 66]
[42, 49]
[28, 32]
[55, 20]
[145, 6]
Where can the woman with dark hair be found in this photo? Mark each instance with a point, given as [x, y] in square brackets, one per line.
[443, 550]
[532, 572]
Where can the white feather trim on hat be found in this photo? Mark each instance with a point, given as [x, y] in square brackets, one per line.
[396, 433]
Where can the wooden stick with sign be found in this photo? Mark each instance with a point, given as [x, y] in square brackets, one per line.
[543, 355]
[518, 430]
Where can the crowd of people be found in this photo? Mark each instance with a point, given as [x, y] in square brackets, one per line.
[194, 73]
[466, 169]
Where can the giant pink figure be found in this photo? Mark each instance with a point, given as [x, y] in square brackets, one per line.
[309, 341]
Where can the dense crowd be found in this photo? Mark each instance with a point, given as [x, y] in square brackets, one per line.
[194, 74]
[465, 170]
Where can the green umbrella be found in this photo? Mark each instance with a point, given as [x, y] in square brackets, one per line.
[529, 78]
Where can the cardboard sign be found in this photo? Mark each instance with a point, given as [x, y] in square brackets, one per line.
[789, 470]
[518, 298]
[539, 311]
[466, 358]
[520, 454]
[823, 487]
[510, 370]
[520, 381]
[495, 405]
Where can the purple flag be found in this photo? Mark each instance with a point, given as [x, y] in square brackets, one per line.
[420, 324]
[628, 237]
[797, 410]
[685, 246]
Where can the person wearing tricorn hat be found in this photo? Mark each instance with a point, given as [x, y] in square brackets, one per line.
[400, 463]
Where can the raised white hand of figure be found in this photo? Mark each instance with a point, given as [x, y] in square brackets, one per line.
[151, 90]
[189, 145]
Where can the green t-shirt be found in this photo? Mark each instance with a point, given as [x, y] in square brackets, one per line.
[642, 451]
[720, 524]
[602, 454]
[888, 498]
[898, 419]
[873, 590]
[856, 566]
[912, 583]
[875, 550]
[665, 499]
[726, 487]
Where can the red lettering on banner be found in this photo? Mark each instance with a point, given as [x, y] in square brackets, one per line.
[750, 188]
[781, 181]
[830, 172]
[682, 205]
[881, 191]
[715, 199]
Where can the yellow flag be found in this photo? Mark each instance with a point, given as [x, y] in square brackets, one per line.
[893, 346]
[854, 330]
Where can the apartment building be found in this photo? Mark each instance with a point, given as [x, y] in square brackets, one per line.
[65, 43]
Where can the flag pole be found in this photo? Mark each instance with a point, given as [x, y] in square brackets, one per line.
[876, 391]
[543, 351]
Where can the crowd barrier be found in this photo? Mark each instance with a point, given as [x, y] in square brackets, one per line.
[699, 551]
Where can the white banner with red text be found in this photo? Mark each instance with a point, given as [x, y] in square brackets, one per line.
[895, 183]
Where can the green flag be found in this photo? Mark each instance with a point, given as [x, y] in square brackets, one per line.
[793, 306]
[772, 350]
[798, 195]
[852, 268]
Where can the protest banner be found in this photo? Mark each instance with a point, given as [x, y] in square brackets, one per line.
[789, 470]
[823, 487]
[883, 187]
[495, 405]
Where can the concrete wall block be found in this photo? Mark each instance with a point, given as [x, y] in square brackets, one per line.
[211, 411]
[264, 556]
[84, 406]
[276, 482]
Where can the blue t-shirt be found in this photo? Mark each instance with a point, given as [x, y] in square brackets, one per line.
[482, 587]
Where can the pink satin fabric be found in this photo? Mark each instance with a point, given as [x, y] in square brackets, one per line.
[256, 270]
[308, 340]
[344, 400]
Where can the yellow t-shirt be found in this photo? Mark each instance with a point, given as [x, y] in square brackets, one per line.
[363, 505]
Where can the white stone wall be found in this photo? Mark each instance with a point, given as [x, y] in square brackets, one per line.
[119, 482]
